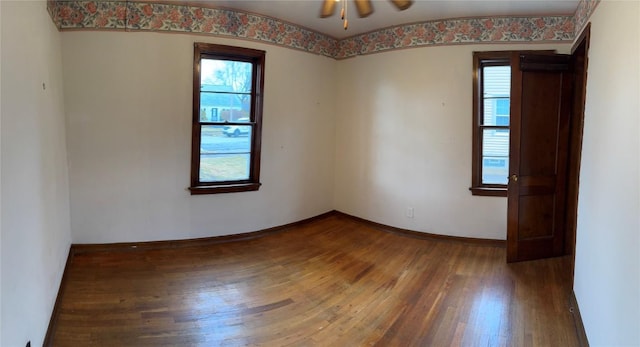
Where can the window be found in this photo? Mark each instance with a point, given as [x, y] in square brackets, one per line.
[227, 119]
[491, 113]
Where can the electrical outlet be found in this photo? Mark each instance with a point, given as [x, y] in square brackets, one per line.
[409, 212]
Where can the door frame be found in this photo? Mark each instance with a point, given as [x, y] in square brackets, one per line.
[580, 60]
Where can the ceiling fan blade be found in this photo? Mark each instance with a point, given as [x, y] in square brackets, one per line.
[402, 4]
[364, 7]
[328, 7]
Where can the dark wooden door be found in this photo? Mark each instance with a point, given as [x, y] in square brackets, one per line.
[541, 91]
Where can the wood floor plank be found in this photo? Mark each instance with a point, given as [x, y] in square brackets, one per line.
[333, 282]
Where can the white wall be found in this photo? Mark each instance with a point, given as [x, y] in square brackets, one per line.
[404, 140]
[128, 102]
[35, 200]
[1, 177]
[607, 270]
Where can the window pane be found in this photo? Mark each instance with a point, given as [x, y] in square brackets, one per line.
[225, 153]
[225, 90]
[496, 81]
[496, 111]
[224, 167]
[496, 84]
[225, 76]
[495, 156]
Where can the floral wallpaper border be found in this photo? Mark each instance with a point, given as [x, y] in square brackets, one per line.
[184, 18]
[583, 13]
[458, 31]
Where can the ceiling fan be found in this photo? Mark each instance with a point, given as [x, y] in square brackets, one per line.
[364, 7]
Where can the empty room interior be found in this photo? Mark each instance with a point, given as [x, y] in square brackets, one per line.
[320, 173]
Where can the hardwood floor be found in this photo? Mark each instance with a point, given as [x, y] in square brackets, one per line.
[333, 282]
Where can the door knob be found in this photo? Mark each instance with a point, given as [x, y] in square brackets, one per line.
[514, 178]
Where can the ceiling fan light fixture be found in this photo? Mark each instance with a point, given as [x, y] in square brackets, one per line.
[328, 7]
[364, 8]
[402, 4]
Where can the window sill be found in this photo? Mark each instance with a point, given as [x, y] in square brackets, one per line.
[229, 188]
[489, 191]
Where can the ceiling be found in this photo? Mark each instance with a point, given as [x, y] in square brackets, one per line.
[306, 12]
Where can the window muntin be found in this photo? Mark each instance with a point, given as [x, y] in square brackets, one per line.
[492, 89]
[227, 104]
